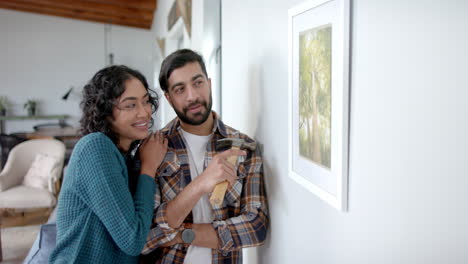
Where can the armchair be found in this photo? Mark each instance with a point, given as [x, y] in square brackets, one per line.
[15, 195]
[7, 142]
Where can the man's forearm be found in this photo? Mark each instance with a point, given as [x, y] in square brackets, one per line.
[178, 209]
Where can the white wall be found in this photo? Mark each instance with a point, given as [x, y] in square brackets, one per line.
[408, 170]
[43, 56]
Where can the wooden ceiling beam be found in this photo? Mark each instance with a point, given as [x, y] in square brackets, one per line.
[141, 4]
[83, 15]
[77, 5]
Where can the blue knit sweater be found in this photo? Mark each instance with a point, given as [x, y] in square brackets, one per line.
[98, 220]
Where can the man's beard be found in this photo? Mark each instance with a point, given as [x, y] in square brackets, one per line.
[200, 117]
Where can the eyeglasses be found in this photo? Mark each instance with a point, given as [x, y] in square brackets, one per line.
[132, 105]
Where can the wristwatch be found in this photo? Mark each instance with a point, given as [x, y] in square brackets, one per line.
[188, 235]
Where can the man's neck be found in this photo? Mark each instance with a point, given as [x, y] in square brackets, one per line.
[203, 129]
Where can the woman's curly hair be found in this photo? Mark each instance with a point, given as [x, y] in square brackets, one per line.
[100, 96]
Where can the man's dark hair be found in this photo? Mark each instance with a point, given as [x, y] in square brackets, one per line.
[100, 96]
[177, 60]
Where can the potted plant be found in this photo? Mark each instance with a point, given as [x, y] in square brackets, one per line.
[31, 105]
[4, 104]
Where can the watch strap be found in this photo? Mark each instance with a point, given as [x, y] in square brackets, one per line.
[188, 225]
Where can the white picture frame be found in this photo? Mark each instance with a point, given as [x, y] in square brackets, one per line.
[319, 36]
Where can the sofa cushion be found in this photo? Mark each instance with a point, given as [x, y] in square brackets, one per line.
[26, 197]
[40, 171]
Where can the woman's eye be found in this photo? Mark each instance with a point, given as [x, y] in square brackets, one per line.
[130, 106]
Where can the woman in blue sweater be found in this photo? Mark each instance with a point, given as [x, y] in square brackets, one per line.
[99, 220]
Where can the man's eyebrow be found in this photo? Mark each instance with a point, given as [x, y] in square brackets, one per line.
[197, 76]
[176, 84]
[182, 83]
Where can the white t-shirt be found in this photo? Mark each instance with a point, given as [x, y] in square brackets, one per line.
[202, 212]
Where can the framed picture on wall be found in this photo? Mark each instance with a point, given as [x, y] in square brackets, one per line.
[319, 35]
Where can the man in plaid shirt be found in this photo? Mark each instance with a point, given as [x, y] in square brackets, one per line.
[186, 227]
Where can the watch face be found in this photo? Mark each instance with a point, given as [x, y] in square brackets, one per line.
[188, 236]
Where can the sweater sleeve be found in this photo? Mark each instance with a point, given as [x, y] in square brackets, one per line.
[103, 187]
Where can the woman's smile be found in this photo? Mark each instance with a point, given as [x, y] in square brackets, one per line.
[141, 125]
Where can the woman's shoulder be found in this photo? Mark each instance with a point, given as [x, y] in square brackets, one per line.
[96, 136]
[95, 142]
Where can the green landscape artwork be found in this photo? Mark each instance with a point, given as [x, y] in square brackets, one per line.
[315, 95]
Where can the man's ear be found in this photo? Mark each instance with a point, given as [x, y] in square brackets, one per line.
[168, 98]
